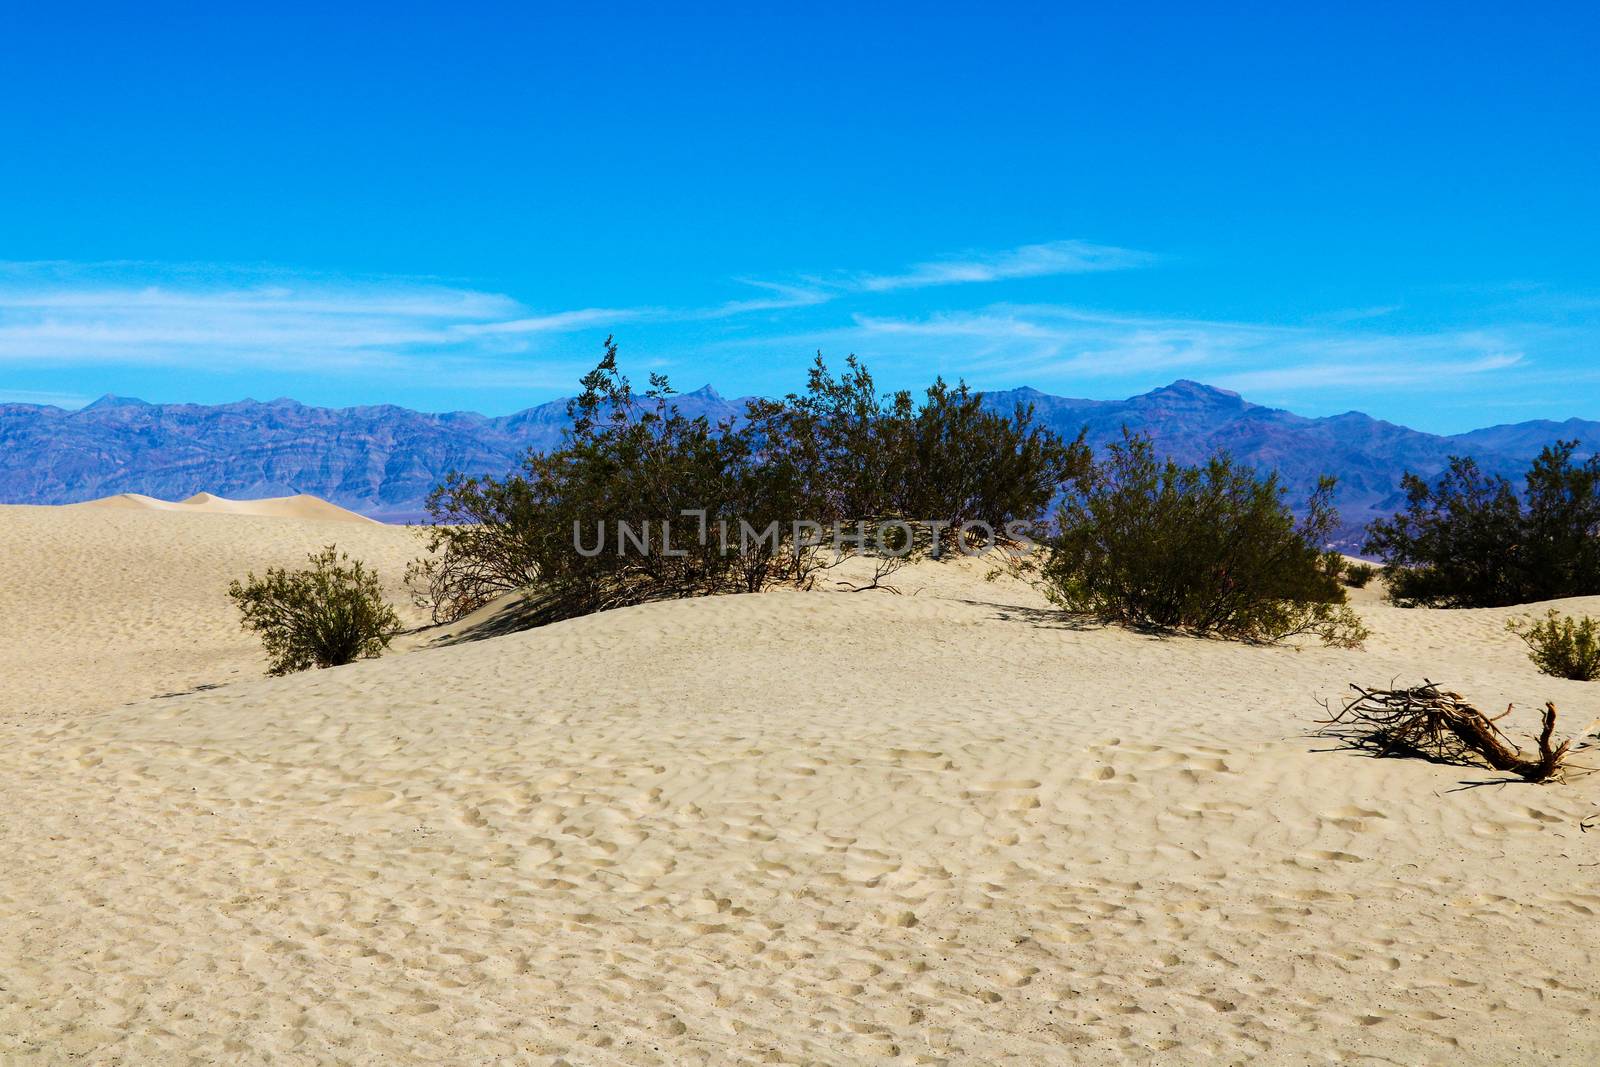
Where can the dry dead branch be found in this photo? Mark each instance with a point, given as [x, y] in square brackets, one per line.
[1436, 724]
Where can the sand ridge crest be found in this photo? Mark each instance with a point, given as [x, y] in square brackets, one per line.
[299, 506]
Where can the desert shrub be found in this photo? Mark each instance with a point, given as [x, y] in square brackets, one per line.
[874, 459]
[325, 616]
[845, 441]
[1454, 544]
[1358, 575]
[965, 464]
[838, 452]
[1211, 550]
[583, 525]
[1561, 525]
[488, 545]
[1561, 645]
[1467, 540]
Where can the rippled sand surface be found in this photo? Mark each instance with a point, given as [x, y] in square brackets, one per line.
[948, 827]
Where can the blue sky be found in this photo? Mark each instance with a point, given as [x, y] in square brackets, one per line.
[447, 208]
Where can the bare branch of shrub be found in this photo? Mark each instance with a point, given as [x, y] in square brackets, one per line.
[1436, 724]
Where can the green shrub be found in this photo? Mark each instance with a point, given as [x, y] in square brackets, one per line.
[1561, 645]
[838, 452]
[1358, 575]
[946, 460]
[331, 614]
[965, 464]
[627, 459]
[1468, 541]
[1211, 550]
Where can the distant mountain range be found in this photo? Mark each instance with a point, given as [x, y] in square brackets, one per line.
[382, 461]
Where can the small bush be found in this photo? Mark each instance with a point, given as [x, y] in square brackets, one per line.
[1358, 575]
[1561, 645]
[1209, 550]
[331, 614]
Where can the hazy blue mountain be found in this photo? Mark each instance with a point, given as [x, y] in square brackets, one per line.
[1529, 437]
[383, 460]
[380, 460]
[1189, 421]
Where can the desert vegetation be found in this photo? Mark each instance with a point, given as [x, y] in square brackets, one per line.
[585, 526]
[641, 502]
[326, 615]
[1212, 550]
[1357, 575]
[1561, 645]
[1468, 540]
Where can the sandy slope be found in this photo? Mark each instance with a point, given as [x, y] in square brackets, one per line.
[103, 605]
[797, 828]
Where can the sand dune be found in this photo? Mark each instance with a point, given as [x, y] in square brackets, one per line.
[101, 605]
[301, 506]
[947, 827]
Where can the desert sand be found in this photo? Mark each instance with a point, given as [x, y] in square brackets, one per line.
[108, 602]
[300, 506]
[944, 827]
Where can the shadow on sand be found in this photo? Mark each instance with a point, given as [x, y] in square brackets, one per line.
[508, 614]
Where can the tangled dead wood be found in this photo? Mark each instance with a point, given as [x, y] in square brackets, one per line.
[1436, 724]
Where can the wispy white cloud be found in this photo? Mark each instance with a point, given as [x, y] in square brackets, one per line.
[1342, 316]
[75, 315]
[558, 322]
[1028, 261]
[186, 316]
[279, 328]
[1435, 374]
[205, 316]
[1056, 346]
[409, 301]
[782, 298]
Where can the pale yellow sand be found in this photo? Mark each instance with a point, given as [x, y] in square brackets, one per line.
[302, 506]
[102, 605]
[788, 828]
